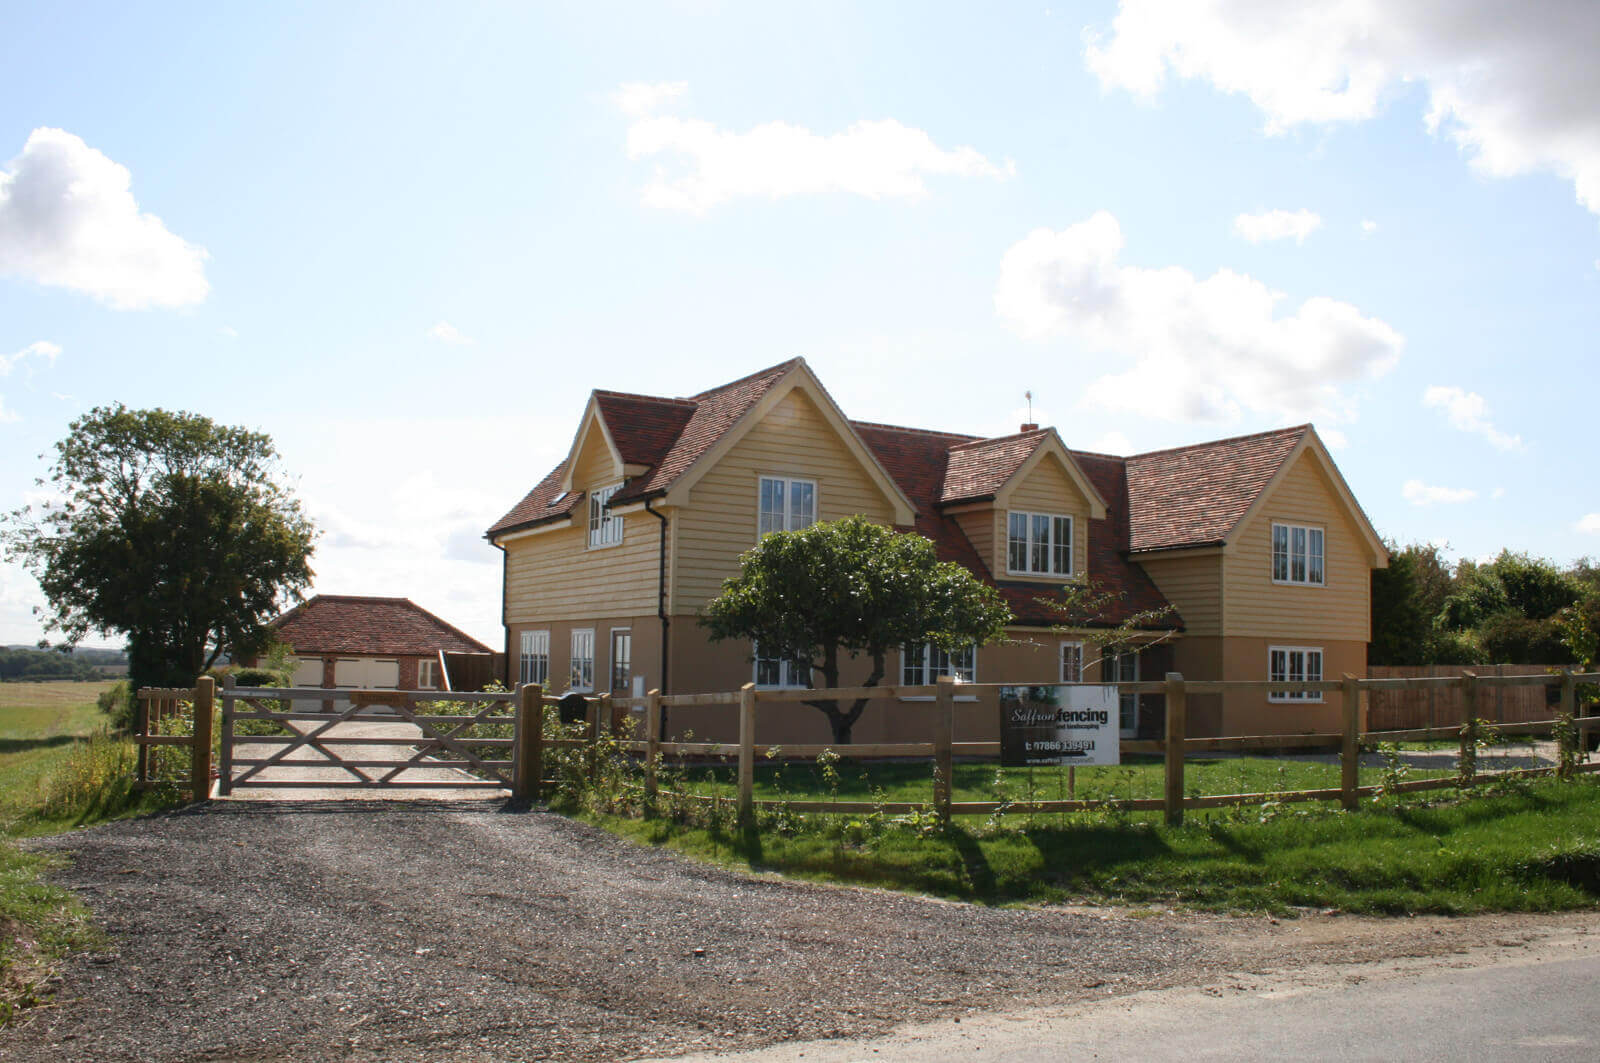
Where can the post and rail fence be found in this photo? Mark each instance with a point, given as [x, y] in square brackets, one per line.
[524, 772]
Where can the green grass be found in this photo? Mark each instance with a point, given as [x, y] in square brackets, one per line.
[59, 769]
[1535, 847]
[1138, 777]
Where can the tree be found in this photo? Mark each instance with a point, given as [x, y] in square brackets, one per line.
[851, 588]
[169, 528]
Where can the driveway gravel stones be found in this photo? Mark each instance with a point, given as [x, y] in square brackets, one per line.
[414, 930]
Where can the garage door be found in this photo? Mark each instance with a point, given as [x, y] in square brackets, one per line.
[307, 672]
[366, 673]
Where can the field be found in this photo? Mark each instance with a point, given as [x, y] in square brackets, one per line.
[39, 725]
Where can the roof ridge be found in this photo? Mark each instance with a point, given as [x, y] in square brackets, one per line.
[1299, 428]
[912, 431]
[790, 364]
[647, 398]
[356, 598]
[1000, 439]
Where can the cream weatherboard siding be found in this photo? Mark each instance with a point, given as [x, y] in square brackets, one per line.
[593, 466]
[719, 524]
[1193, 584]
[1046, 488]
[1255, 606]
[979, 525]
[556, 576]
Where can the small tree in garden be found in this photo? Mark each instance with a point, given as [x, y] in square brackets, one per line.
[1090, 604]
[169, 528]
[851, 588]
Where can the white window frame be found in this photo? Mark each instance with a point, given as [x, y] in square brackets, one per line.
[927, 661]
[604, 529]
[577, 683]
[611, 658]
[788, 518]
[533, 666]
[428, 673]
[1061, 661]
[1312, 563]
[1122, 666]
[1295, 697]
[789, 672]
[1030, 542]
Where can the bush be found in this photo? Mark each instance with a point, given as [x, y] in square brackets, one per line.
[257, 677]
[117, 705]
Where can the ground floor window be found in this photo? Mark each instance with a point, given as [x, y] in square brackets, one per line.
[1294, 664]
[621, 661]
[580, 676]
[777, 672]
[922, 665]
[535, 662]
[1123, 667]
[1072, 662]
[427, 674]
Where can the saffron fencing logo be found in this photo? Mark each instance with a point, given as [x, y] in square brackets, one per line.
[1071, 723]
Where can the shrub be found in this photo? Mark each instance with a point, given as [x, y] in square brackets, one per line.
[117, 705]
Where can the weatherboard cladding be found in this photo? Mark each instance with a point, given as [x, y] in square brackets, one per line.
[369, 627]
[1170, 499]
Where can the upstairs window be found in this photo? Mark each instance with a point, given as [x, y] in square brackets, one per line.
[1294, 664]
[921, 666]
[1038, 544]
[786, 505]
[604, 529]
[1297, 555]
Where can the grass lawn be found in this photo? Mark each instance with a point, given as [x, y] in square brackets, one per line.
[1530, 847]
[58, 770]
[1137, 777]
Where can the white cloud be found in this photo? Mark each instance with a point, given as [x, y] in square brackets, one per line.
[6, 416]
[1420, 494]
[1514, 87]
[1590, 523]
[1469, 411]
[1201, 350]
[1498, 493]
[638, 98]
[1277, 225]
[1368, 226]
[445, 332]
[1335, 439]
[876, 159]
[228, 332]
[1112, 442]
[68, 219]
[40, 349]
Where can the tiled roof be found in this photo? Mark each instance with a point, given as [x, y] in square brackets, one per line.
[668, 435]
[1196, 495]
[977, 470]
[381, 627]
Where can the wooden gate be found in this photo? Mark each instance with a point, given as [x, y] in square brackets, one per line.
[459, 740]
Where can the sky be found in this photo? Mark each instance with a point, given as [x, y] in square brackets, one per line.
[406, 241]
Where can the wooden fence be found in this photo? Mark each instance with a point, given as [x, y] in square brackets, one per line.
[1174, 747]
[163, 715]
[1444, 705]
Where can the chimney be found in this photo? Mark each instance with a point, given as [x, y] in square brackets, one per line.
[1030, 428]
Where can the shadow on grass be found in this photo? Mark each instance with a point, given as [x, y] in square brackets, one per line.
[28, 745]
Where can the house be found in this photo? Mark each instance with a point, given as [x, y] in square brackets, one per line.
[350, 641]
[1254, 546]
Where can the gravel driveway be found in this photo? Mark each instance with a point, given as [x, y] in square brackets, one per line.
[465, 931]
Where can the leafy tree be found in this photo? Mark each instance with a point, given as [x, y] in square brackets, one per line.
[169, 528]
[851, 588]
[1090, 603]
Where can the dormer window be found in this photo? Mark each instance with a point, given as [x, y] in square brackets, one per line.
[1038, 544]
[604, 529]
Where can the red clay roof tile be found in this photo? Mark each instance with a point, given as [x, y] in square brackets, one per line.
[1196, 495]
[380, 627]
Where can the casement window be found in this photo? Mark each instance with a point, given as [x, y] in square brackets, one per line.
[1297, 555]
[621, 660]
[580, 677]
[1038, 544]
[1123, 667]
[1072, 662]
[921, 666]
[428, 675]
[786, 505]
[604, 529]
[535, 661]
[777, 672]
[1294, 664]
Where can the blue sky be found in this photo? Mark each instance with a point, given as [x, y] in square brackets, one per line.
[407, 240]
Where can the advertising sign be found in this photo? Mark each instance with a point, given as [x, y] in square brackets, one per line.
[1067, 724]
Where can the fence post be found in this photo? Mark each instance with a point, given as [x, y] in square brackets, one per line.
[944, 726]
[225, 768]
[652, 744]
[1469, 728]
[747, 755]
[527, 759]
[1177, 729]
[205, 699]
[1350, 744]
[1569, 712]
